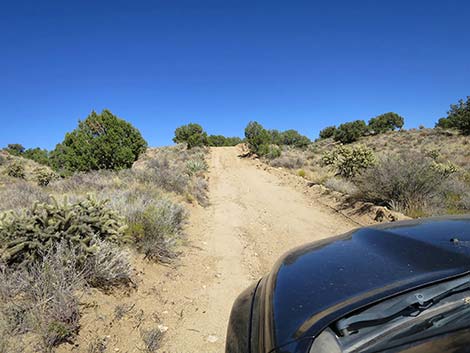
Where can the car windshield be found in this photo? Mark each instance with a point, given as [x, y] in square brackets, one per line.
[410, 317]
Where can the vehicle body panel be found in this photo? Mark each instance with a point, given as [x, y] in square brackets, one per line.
[314, 285]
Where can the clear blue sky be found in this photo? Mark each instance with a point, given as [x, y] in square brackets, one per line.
[286, 64]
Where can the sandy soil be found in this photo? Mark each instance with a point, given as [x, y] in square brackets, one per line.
[254, 217]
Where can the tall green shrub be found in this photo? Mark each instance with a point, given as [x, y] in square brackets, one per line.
[350, 132]
[327, 132]
[458, 117]
[191, 134]
[256, 136]
[386, 122]
[101, 141]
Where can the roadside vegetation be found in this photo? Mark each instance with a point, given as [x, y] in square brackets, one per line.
[418, 172]
[80, 220]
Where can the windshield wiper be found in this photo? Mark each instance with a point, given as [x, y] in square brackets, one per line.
[409, 305]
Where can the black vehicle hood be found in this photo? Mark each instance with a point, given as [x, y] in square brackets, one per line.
[314, 285]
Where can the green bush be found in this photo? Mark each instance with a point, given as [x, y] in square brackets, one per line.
[350, 132]
[386, 122]
[15, 149]
[256, 136]
[328, 132]
[293, 138]
[193, 135]
[101, 141]
[269, 151]
[38, 155]
[25, 236]
[221, 141]
[16, 170]
[157, 230]
[349, 162]
[458, 117]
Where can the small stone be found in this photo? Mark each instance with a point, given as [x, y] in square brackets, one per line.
[212, 338]
[162, 328]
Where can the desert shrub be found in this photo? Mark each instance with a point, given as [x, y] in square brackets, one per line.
[199, 189]
[327, 132]
[409, 182]
[221, 141]
[193, 135]
[24, 236]
[288, 161]
[349, 161]
[152, 339]
[44, 176]
[344, 186]
[301, 173]
[109, 266]
[158, 229]
[172, 178]
[294, 139]
[101, 141]
[275, 137]
[21, 194]
[458, 117]
[269, 151]
[196, 166]
[386, 122]
[16, 170]
[350, 132]
[256, 136]
[15, 149]
[38, 155]
[3, 159]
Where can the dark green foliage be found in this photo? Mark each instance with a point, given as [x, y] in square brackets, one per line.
[350, 132]
[191, 134]
[293, 138]
[275, 137]
[256, 136]
[36, 154]
[16, 170]
[445, 123]
[327, 132]
[386, 122]
[269, 151]
[15, 149]
[221, 141]
[458, 117]
[101, 141]
[24, 237]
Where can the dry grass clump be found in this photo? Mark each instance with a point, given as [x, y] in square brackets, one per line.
[20, 194]
[410, 183]
[291, 158]
[152, 339]
[341, 185]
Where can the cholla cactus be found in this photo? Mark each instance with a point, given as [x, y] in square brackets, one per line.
[26, 236]
[349, 161]
[16, 170]
[446, 169]
[44, 176]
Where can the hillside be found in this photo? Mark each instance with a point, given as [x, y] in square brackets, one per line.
[429, 169]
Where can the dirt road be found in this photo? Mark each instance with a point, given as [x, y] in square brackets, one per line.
[251, 221]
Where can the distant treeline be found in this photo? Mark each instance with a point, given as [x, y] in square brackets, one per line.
[104, 141]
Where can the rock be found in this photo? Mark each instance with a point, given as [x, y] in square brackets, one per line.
[212, 338]
[162, 328]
